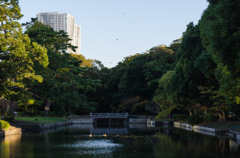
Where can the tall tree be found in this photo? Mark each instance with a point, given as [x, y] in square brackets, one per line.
[183, 87]
[17, 55]
[220, 32]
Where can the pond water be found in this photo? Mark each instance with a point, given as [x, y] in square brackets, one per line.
[137, 141]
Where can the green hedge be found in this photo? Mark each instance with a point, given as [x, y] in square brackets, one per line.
[180, 117]
[194, 119]
[4, 125]
[21, 114]
[210, 118]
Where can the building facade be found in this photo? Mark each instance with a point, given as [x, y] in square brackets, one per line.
[63, 21]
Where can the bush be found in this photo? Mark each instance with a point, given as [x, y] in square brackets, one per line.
[8, 117]
[21, 114]
[210, 118]
[4, 125]
[178, 117]
[194, 119]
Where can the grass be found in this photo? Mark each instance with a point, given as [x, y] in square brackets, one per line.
[39, 119]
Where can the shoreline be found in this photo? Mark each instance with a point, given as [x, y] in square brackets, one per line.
[22, 126]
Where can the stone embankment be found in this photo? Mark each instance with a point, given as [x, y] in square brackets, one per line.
[11, 131]
[40, 127]
[92, 120]
[199, 129]
[158, 123]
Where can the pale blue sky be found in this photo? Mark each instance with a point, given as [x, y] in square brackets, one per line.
[137, 24]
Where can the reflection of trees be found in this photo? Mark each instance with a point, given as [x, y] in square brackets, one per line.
[8, 144]
[223, 147]
[180, 142]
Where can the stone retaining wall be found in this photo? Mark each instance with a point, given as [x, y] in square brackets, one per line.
[198, 129]
[11, 131]
[82, 121]
[137, 120]
[41, 127]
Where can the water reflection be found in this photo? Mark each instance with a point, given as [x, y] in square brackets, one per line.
[92, 147]
[130, 141]
[9, 146]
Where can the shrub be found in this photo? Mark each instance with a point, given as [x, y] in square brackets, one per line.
[210, 118]
[4, 125]
[8, 117]
[21, 114]
[194, 119]
[163, 113]
[178, 117]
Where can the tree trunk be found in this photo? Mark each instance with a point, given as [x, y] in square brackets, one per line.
[190, 110]
[47, 107]
[222, 115]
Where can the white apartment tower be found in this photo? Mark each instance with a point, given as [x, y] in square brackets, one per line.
[63, 21]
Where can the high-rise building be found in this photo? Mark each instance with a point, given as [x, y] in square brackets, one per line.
[63, 21]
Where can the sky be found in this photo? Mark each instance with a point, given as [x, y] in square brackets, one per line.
[114, 29]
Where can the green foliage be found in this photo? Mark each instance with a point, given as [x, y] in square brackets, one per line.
[164, 113]
[8, 117]
[220, 34]
[17, 55]
[210, 118]
[4, 125]
[65, 81]
[21, 114]
[180, 117]
[85, 62]
[194, 119]
[161, 97]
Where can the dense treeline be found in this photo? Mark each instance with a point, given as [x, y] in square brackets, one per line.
[198, 73]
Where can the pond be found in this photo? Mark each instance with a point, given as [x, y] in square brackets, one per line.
[140, 141]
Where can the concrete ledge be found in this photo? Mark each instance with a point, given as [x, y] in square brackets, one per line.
[198, 129]
[195, 127]
[158, 123]
[178, 124]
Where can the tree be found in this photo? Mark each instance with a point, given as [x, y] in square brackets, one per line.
[64, 84]
[17, 55]
[161, 96]
[182, 89]
[220, 33]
